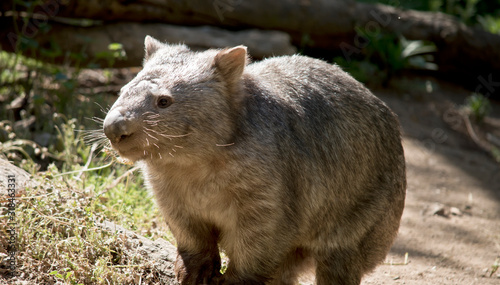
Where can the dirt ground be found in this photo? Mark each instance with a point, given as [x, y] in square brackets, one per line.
[451, 223]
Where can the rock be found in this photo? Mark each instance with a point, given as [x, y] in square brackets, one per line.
[441, 210]
[455, 211]
[160, 252]
[437, 209]
[21, 177]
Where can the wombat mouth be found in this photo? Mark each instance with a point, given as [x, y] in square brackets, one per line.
[128, 149]
[133, 154]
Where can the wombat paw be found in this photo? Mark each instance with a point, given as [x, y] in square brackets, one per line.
[196, 273]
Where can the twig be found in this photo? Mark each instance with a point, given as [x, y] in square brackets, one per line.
[90, 169]
[399, 263]
[117, 180]
[92, 149]
[473, 134]
[48, 217]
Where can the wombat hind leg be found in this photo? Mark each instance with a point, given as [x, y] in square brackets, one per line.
[295, 263]
[339, 267]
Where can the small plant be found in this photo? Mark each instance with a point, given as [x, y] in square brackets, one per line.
[490, 23]
[363, 71]
[495, 152]
[115, 52]
[495, 266]
[478, 106]
[392, 53]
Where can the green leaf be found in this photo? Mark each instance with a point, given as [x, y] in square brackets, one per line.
[115, 46]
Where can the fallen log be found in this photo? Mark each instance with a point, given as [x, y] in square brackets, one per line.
[93, 42]
[160, 253]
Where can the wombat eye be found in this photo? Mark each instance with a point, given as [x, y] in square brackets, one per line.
[164, 102]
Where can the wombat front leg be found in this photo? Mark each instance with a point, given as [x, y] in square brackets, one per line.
[197, 268]
[255, 256]
[198, 260]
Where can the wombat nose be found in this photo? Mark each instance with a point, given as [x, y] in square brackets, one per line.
[116, 126]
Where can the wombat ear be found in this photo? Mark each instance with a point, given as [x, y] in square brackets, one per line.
[151, 45]
[231, 62]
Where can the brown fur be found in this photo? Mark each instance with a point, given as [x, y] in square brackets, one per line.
[276, 162]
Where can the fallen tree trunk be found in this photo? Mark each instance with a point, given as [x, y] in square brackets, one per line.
[93, 42]
[327, 23]
[316, 16]
[160, 253]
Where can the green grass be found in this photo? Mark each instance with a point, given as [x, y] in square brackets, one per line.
[57, 236]
[59, 239]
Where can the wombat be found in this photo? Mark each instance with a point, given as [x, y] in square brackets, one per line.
[279, 163]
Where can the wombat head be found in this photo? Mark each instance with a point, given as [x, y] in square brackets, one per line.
[181, 103]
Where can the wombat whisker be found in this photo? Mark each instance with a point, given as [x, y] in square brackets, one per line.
[94, 140]
[145, 142]
[151, 136]
[151, 123]
[174, 136]
[97, 132]
[94, 136]
[152, 130]
[178, 146]
[102, 146]
[157, 127]
[151, 114]
[97, 119]
[100, 143]
[152, 118]
[104, 142]
[223, 145]
[92, 132]
[147, 132]
[156, 145]
[102, 109]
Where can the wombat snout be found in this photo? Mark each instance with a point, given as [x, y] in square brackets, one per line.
[117, 127]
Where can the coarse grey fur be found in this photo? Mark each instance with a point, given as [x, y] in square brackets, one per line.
[280, 163]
